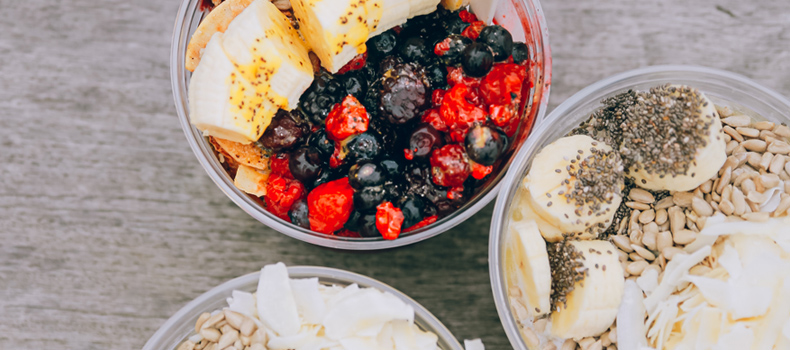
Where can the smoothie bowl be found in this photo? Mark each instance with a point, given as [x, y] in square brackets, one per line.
[353, 129]
[302, 307]
[650, 211]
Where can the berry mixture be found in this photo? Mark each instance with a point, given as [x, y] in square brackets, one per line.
[404, 134]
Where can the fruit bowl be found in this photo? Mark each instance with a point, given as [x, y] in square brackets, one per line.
[179, 327]
[722, 88]
[523, 18]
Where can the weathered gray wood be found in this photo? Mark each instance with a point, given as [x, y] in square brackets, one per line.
[108, 225]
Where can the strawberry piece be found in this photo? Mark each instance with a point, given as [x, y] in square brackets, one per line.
[433, 117]
[389, 220]
[506, 118]
[337, 157]
[450, 166]
[356, 63]
[474, 29]
[442, 47]
[467, 16]
[456, 76]
[479, 171]
[346, 119]
[281, 194]
[279, 165]
[330, 204]
[425, 222]
[503, 84]
[458, 113]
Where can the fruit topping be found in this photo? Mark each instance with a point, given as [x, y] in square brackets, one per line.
[347, 119]
[413, 210]
[424, 139]
[365, 146]
[450, 49]
[388, 220]
[280, 165]
[305, 164]
[520, 53]
[414, 49]
[450, 166]
[285, 130]
[299, 214]
[473, 30]
[498, 39]
[485, 145]
[356, 63]
[476, 59]
[330, 205]
[281, 194]
[404, 93]
[366, 174]
[503, 85]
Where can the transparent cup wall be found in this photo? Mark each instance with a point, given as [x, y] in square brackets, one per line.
[723, 88]
[527, 25]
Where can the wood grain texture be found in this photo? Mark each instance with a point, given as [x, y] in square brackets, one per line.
[108, 225]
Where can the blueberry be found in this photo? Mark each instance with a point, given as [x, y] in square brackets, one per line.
[423, 140]
[437, 75]
[456, 44]
[365, 146]
[520, 53]
[384, 43]
[454, 24]
[285, 130]
[366, 199]
[498, 39]
[352, 224]
[366, 174]
[415, 49]
[392, 167]
[477, 60]
[412, 208]
[355, 84]
[305, 164]
[321, 142]
[485, 145]
[367, 226]
[299, 214]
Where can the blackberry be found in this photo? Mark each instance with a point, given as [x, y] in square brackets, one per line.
[318, 99]
[352, 224]
[498, 39]
[388, 63]
[437, 75]
[319, 140]
[413, 210]
[404, 93]
[392, 167]
[383, 44]
[454, 25]
[477, 60]
[285, 130]
[419, 181]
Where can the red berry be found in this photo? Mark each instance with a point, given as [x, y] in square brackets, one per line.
[450, 166]
[467, 16]
[337, 157]
[474, 29]
[442, 47]
[388, 220]
[480, 171]
[503, 84]
[279, 165]
[506, 118]
[437, 96]
[457, 112]
[433, 117]
[330, 204]
[346, 119]
[356, 63]
[425, 222]
[281, 194]
[456, 76]
[456, 193]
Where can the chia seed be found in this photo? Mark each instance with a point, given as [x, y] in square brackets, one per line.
[567, 268]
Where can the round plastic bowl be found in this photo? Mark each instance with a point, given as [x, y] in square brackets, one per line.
[523, 18]
[723, 88]
[179, 327]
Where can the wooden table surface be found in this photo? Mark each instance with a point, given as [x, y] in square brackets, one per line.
[108, 224]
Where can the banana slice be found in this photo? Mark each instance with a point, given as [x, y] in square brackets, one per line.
[528, 263]
[573, 188]
[215, 22]
[336, 30]
[221, 102]
[587, 287]
[422, 7]
[397, 12]
[674, 140]
[269, 53]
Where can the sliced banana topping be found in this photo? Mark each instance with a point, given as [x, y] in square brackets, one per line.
[670, 138]
[587, 287]
[574, 188]
[527, 263]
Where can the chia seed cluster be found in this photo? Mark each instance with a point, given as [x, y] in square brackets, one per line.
[657, 131]
[567, 268]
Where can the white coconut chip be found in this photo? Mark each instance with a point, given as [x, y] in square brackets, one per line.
[474, 344]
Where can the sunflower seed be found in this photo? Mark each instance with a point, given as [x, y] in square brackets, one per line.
[757, 216]
[641, 196]
[737, 120]
[754, 145]
[663, 240]
[701, 207]
[665, 203]
[210, 334]
[684, 236]
[782, 130]
[647, 216]
[637, 205]
[784, 204]
[748, 132]
[777, 164]
[201, 319]
[726, 207]
[622, 242]
[763, 125]
[683, 199]
[661, 216]
[569, 344]
[670, 252]
[731, 146]
[677, 219]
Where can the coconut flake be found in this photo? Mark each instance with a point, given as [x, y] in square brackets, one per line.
[308, 298]
[474, 344]
[648, 281]
[365, 314]
[631, 318]
[774, 196]
[676, 269]
[276, 305]
[243, 303]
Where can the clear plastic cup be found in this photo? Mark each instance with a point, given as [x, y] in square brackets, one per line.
[181, 325]
[523, 18]
[723, 88]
